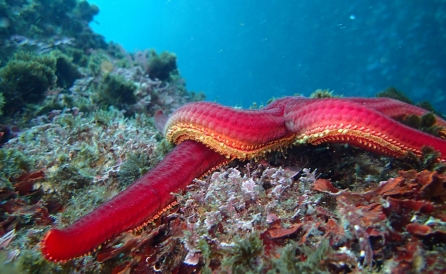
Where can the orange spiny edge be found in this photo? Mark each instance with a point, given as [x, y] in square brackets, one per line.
[391, 141]
[155, 217]
[368, 139]
[136, 229]
[172, 204]
[42, 247]
[222, 144]
[207, 148]
[215, 168]
[49, 258]
[151, 192]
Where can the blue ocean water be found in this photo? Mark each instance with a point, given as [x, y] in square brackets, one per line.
[239, 52]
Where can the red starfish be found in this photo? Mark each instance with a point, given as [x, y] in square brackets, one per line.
[209, 135]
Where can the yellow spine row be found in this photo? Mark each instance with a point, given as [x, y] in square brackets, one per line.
[221, 143]
[364, 136]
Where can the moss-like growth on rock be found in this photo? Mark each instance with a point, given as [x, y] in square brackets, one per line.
[244, 254]
[393, 93]
[2, 103]
[429, 160]
[324, 93]
[86, 11]
[43, 19]
[77, 55]
[12, 164]
[25, 78]
[95, 63]
[162, 66]
[116, 91]
[426, 105]
[136, 165]
[290, 262]
[66, 71]
[31, 261]
[425, 123]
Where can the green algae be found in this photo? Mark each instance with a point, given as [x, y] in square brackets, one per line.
[2, 103]
[424, 123]
[242, 257]
[429, 160]
[162, 66]
[324, 93]
[25, 79]
[290, 262]
[13, 163]
[116, 91]
[135, 165]
[393, 93]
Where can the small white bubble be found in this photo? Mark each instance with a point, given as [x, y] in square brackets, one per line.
[352, 17]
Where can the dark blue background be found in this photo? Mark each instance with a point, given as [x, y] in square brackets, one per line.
[239, 52]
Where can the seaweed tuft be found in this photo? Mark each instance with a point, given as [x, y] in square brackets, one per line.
[425, 123]
[25, 79]
[206, 252]
[33, 262]
[116, 91]
[66, 71]
[429, 160]
[13, 163]
[2, 103]
[136, 165]
[162, 66]
[393, 93]
[324, 93]
[244, 254]
[290, 259]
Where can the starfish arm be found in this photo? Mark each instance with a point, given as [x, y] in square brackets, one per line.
[394, 108]
[235, 133]
[135, 206]
[343, 121]
[209, 134]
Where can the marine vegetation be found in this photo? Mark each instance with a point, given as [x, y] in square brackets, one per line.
[192, 127]
[302, 185]
[116, 91]
[244, 253]
[2, 103]
[25, 79]
[162, 66]
[47, 24]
